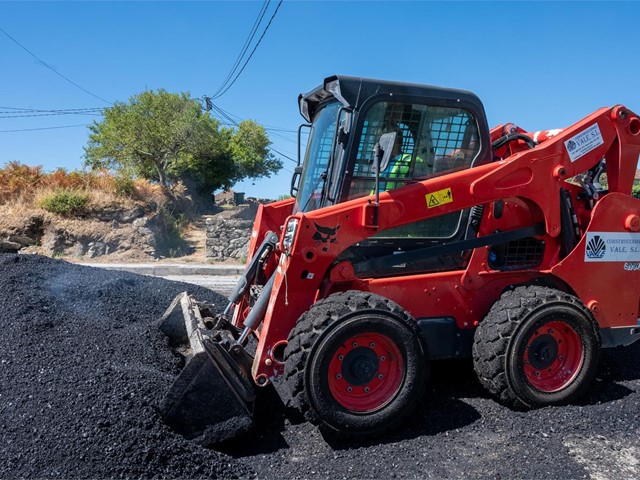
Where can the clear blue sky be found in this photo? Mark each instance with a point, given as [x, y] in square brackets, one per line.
[538, 64]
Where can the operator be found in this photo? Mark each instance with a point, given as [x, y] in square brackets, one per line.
[400, 166]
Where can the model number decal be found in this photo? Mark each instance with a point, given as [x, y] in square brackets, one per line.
[631, 266]
[438, 198]
[613, 247]
[582, 143]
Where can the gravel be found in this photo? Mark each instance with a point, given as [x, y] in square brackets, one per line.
[83, 368]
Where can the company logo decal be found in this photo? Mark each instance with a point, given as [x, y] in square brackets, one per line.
[584, 142]
[326, 235]
[596, 247]
[613, 247]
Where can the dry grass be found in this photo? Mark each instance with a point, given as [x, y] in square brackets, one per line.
[22, 187]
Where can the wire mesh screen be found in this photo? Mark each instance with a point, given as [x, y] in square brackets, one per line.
[429, 141]
[517, 254]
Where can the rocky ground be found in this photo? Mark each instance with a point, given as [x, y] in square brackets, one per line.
[132, 234]
[83, 368]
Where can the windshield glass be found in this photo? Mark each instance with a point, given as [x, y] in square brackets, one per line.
[317, 156]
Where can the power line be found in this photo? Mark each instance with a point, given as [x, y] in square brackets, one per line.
[252, 52]
[24, 109]
[270, 128]
[53, 69]
[247, 42]
[228, 117]
[43, 128]
[29, 115]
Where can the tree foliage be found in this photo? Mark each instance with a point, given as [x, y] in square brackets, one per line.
[166, 137]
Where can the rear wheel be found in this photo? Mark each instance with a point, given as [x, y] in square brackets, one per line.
[537, 346]
[356, 363]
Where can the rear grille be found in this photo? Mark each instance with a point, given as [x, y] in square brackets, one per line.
[517, 254]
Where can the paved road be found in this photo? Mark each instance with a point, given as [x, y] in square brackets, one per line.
[219, 278]
[222, 284]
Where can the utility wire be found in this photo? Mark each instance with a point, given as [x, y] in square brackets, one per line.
[230, 119]
[247, 42]
[29, 115]
[266, 127]
[273, 130]
[53, 69]
[252, 52]
[43, 128]
[25, 110]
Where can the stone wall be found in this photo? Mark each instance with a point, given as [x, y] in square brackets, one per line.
[228, 239]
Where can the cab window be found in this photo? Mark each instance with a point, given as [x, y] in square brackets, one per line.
[430, 141]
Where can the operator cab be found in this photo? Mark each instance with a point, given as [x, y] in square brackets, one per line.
[436, 131]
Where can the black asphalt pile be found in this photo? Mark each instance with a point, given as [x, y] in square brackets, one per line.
[83, 368]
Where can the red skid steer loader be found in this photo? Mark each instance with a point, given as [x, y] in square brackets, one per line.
[417, 233]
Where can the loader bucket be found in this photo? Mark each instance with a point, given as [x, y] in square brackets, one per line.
[212, 399]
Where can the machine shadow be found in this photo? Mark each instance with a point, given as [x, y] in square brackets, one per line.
[442, 409]
[436, 415]
[617, 365]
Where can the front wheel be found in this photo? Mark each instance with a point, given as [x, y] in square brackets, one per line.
[356, 362]
[537, 346]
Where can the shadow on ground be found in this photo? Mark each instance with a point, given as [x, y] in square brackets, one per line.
[443, 408]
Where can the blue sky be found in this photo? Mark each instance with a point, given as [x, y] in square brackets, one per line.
[538, 64]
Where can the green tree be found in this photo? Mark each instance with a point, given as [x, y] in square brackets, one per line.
[166, 137]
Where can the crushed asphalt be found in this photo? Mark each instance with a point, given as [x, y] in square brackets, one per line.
[83, 369]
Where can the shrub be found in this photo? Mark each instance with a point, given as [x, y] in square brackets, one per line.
[64, 202]
[635, 191]
[123, 186]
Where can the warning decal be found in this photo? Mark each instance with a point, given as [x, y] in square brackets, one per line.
[438, 198]
[582, 143]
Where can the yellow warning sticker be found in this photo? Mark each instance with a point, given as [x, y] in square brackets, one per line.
[441, 197]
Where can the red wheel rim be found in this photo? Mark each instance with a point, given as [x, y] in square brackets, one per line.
[366, 372]
[553, 356]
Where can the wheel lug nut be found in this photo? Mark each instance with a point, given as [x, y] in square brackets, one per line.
[537, 373]
[551, 332]
[354, 344]
[372, 345]
[340, 357]
[382, 358]
[338, 376]
[366, 389]
[380, 376]
[561, 357]
[349, 389]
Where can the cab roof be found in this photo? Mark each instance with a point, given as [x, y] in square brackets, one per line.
[352, 92]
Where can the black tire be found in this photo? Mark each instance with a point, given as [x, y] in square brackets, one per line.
[537, 346]
[354, 389]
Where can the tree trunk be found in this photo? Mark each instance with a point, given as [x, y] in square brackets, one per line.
[162, 175]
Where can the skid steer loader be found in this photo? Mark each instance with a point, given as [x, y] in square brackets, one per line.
[417, 233]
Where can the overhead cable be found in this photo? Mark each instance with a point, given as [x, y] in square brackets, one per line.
[230, 119]
[24, 109]
[53, 69]
[245, 47]
[29, 115]
[44, 128]
[251, 55]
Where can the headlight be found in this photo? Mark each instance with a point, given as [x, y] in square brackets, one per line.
[333, 87]
[289, 234]
[304, 109]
